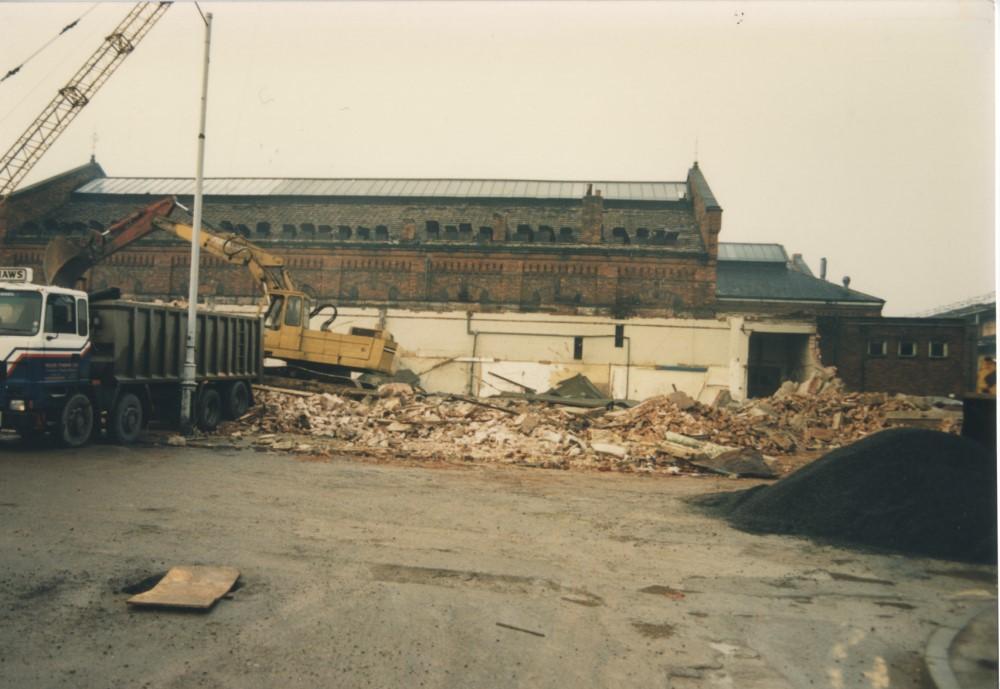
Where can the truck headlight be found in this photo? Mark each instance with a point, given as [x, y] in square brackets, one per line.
[17, 405]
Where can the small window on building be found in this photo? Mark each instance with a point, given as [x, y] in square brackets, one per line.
[308, 229]
[288, 230]
[364, 233]
[226, 226]
[450, 232]
[81, 317]
[545, 234]
[433, 229]
[524, 233]
[263, 229]
[938, 350]
[343, 232]
[465, 230]
[907, 349]
[325, 231]
[988, 329]
[619, 336]
[293, 314]
[578, 348]
[486, 234]
[876, 348]
[381, 232]
[243, 230]
[620, 234]
[565, 234]
[642, 235]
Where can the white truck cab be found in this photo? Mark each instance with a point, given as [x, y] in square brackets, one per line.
[44, 347]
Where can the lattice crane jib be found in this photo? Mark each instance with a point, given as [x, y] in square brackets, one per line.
[78, 91]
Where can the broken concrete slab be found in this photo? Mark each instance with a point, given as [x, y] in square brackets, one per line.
[196, 587]
[610, 449]
[741, 463]
[578, 387]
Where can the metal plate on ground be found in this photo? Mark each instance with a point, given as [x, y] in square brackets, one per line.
[189, 587]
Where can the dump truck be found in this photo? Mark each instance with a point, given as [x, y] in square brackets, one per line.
[73, 364]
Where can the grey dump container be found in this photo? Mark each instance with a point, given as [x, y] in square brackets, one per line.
[144, 343]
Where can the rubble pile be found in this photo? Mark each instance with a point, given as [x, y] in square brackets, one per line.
[785, 423]
[669, 433]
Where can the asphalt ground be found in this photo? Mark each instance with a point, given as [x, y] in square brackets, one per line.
[382, 575]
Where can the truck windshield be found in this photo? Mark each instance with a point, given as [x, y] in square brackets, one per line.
[20, 312]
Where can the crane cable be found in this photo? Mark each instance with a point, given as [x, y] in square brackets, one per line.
[52, 40]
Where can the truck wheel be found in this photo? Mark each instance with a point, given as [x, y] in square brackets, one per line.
[237, 400]
[76, 422]
[125, 422]
[209, 409]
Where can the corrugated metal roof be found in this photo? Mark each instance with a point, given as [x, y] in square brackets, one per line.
[754, 253]
[414, 188]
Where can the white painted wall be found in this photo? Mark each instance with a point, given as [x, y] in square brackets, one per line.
[456, 351]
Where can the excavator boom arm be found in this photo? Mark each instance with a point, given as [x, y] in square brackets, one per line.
[68, 258]
[235, 249]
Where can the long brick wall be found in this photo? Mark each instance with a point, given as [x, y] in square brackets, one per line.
[565, 255]
[487, 277]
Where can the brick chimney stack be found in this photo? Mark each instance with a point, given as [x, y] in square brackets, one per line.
[592, 217]
[409, 232]
[499, 227]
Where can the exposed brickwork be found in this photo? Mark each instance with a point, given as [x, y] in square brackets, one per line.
[844, 343]
[37, 200]
[707, 211]
[592, 218]
[505, 253]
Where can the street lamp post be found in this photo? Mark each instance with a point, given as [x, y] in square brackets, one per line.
[188, 384]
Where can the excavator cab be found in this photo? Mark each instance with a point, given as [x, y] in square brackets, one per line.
[288, 336]
[286, 317]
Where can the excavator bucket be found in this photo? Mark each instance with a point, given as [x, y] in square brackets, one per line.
[68, 258]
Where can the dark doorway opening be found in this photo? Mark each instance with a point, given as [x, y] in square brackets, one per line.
[775, 358]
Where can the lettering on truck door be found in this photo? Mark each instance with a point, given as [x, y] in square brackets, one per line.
[66, 341]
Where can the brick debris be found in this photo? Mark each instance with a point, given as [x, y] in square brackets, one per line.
[663, 434]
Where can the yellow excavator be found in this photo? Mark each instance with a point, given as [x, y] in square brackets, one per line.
[310, 353]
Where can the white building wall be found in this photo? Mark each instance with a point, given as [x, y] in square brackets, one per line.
[457, 351]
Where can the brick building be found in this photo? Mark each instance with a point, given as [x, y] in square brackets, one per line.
[635, 247]
[626, 282]
[907, 355]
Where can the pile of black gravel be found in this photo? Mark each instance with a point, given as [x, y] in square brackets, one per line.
[907, 490]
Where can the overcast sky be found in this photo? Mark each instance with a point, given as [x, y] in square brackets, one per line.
[862, 132]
